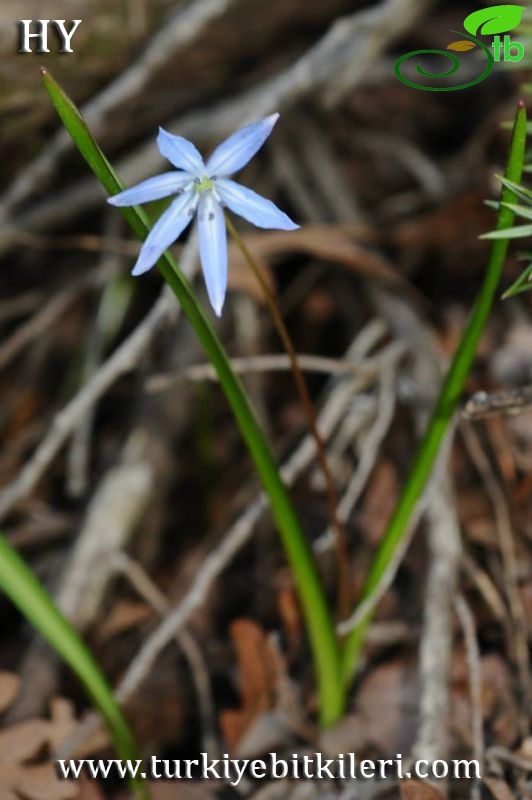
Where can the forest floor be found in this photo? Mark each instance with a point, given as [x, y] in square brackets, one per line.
[125, 484]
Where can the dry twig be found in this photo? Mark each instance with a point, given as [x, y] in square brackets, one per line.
[505, 533]
[467, 622]
[150, 592]
[125, 358]
[231, 543]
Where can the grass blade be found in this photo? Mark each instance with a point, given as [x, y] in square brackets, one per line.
[24, 590]
[448, 398]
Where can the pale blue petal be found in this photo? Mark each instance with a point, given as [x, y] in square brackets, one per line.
[166, 230]
[253, 207]
[152, 189]
[180, 152]
[213, 250]
[235, 152]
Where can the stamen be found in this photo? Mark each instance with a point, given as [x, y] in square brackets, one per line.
[211, 215]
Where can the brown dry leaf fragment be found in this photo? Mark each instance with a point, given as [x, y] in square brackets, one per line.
[499, 789]
[290, 614]
[124, 616]
[418, 790]
[379, 501]
[9, 686]
[63, 722]
[89, 789]
[41, 783]
[525, 749]
[23, 741]
[257, 679]
[462, 46]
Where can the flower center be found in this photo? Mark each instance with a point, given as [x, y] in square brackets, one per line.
[203, 184]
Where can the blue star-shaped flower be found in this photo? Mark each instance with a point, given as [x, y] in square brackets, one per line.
[202, 190]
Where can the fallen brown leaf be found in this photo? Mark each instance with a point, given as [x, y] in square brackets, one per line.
[499, 789]
[9, 686]
[24, 742]
[257, 679]
[418, 790]
[379, 501]
[124, 616]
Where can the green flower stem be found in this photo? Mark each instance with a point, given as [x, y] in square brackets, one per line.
[342, 562]
[313, 601]
[446, 404]
[34, 602]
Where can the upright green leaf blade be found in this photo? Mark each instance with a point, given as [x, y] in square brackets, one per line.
[448, 398]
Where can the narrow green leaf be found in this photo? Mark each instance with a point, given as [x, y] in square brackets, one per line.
[516, 232]
[525, 212]
[522, 284]
[448, 399]
[517, 189]
[25, 591]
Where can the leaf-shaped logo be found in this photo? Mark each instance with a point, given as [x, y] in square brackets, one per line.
[497, 19]
[461, 46]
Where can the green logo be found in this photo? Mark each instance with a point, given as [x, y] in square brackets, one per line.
[487, 22]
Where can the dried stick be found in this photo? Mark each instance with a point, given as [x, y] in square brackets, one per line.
[505, 533]
[370, 449]
[44, 318]
[125, 358]
[239, 534]
[270, 362]
[512, 401]
[334, 408]
[149, 591]
[436, 638]
[467, 622]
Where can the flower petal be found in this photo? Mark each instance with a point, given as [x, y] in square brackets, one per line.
[235, 152]
[252, 206]
[213, 250]
[151, 189]
[166, 230]
[180, 152]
